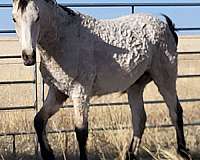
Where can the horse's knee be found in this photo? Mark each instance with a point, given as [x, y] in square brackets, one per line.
[81, 129]
[81, 125]
[81, 109]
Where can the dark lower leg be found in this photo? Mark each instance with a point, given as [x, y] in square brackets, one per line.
[45, 149]
[182, 150]
[138, 121]
[180, 132]
[51, 105]
[132, 153]
[177, 120]
[82, 136]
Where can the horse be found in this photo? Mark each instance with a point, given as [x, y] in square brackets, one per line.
[83, 57]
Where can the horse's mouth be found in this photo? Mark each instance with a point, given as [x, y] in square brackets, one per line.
[29, 59]
[29, 62]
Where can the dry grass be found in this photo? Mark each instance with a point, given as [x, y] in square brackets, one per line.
[158, 143]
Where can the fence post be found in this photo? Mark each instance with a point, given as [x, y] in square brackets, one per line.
[66, 146]
[36, 105]
[43, 90]
[36, 87]
[14, 145]
[132, 9]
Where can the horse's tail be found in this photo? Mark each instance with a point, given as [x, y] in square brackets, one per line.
[171, 27]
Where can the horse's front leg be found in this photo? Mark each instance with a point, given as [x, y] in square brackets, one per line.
[81, 107]
[51, 105]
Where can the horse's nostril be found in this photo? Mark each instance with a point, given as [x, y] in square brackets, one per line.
[24, 55]
[29, 60]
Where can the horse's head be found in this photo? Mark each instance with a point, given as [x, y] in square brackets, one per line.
[26, 17]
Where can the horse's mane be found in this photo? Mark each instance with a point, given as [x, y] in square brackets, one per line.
[68, 10]
[52, 1]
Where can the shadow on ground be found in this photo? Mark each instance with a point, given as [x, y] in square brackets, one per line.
[91, 156]
[195, 155]
[10, 156]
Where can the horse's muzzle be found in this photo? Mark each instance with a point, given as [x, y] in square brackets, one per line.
[29, 59]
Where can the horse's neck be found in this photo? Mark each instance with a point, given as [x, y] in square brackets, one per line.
[60, 29]
[54, 22]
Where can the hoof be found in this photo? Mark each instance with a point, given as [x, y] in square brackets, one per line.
[184, 153]
[83, 157]
[131, 156]
[47, 156]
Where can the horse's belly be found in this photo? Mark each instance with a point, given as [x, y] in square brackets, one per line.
[111, 81]
[118, 69]
[109, 84]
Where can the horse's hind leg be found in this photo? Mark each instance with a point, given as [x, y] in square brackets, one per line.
[166, 83]
[135, 98]
[52, 104]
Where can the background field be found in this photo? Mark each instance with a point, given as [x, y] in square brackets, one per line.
[157, 143]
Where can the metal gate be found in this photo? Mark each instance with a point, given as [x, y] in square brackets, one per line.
[35, 106]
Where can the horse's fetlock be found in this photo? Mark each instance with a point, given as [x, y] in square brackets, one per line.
[47, 154]
[133, 151]
[131, 156]
[184, 152]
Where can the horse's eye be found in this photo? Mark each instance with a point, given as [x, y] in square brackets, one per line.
[14, 20]
[38, 18]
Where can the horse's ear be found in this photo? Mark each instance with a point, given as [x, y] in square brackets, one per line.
[22, 4]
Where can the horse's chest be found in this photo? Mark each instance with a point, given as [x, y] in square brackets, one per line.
[56, 74]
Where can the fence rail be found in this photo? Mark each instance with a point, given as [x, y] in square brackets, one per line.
[34, 81]
[187, 4]
[132, 5]
[177, 29]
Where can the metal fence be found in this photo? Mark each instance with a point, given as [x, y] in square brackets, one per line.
[35, 83]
